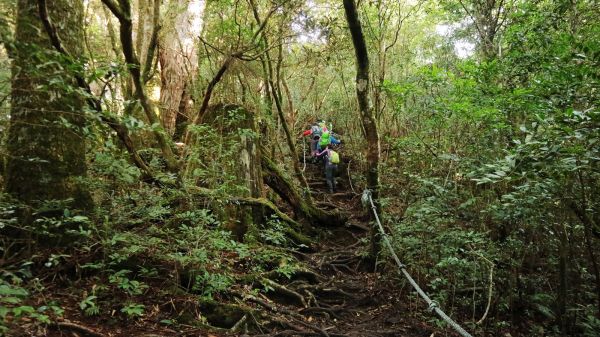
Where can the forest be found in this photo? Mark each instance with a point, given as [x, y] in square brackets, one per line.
[300, 168]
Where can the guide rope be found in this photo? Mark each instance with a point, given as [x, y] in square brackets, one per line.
[304, 154]
[432, 305]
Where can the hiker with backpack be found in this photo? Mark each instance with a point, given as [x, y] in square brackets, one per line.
[332, 159]
[314, 131]
[320, 137]
[327, 138]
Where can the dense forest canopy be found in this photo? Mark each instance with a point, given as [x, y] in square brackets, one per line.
[159, 175]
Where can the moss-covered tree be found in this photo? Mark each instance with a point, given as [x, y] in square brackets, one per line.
[366, 113]
[46, 143]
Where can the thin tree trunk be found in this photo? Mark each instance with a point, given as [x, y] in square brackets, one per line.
[561, 302]
[368, 120]
[123, 12]
[291, 110]
[208, 94]
[275, 91]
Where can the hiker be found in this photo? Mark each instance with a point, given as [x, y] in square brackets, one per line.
[327, 138]
[331, 159]
[314, 131]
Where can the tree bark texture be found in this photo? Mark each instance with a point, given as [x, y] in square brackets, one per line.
[148, 15]
[366, 112]
[178, 59]
[46, 144]
[93, 102]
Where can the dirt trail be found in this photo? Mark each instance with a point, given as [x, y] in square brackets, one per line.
[348, 301]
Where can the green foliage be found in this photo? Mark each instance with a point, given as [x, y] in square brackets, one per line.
[590, 324]
[133, 310]
[433, 239]
[88, 305]
[499, 162]
[14, 307]
[485, 161]
[131, 287]
[274, 232]
[209, 283]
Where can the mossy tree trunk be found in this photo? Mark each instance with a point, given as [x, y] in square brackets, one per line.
[240, 158]
[46, 142]
[368, 119]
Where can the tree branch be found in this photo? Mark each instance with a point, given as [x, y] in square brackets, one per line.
[93, 102]
[125, 33]
[146, 74]
[115, 9]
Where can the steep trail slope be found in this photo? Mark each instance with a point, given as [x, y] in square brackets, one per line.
[347, 301]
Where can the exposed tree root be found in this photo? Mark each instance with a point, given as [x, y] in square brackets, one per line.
[295, 317]
[329, 312]
[293, 231]
[284, 291]
[285, 333]
[334, 292]
[284, 187]
[223, 315]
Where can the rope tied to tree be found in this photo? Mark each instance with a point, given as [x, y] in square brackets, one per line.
[433, 306]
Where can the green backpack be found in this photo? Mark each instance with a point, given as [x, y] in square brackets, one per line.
[334, 157]
[324, 139]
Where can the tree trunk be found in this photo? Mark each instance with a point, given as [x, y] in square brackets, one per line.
[122, 10]
[147, 29]
[46, 144]
[239, 158]
[562, 291]
[273, 81]
[368, 120]
[178, 59]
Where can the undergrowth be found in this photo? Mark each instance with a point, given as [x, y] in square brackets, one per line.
[147, 254]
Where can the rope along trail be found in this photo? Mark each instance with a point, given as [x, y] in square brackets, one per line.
[433, 306]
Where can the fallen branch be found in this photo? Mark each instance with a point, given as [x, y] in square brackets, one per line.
[77, 328]
[239, 323]
[490, 289]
